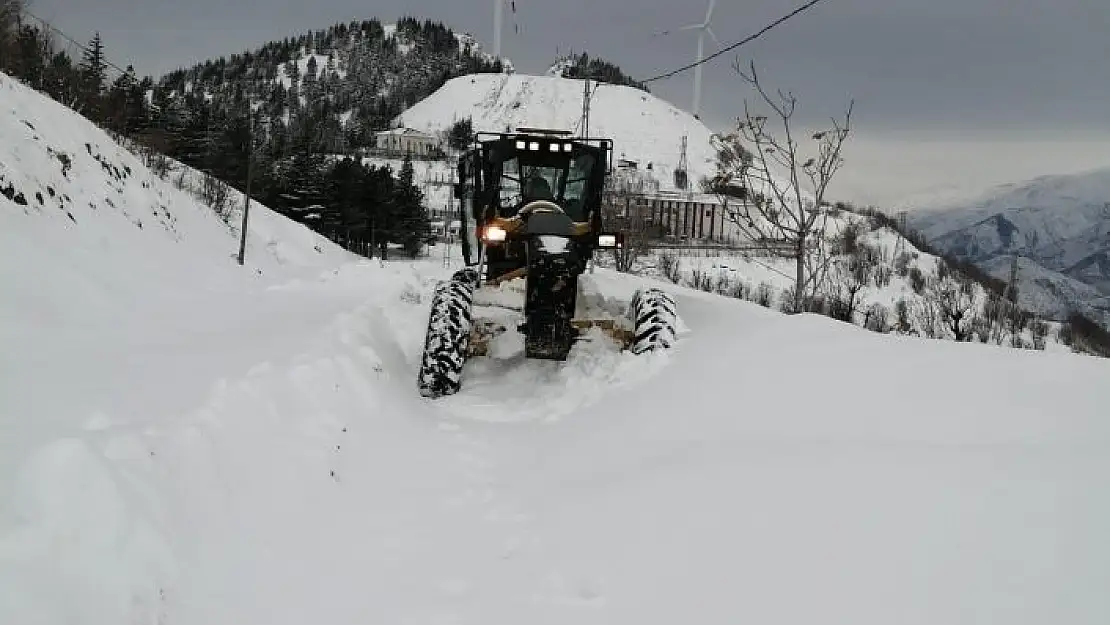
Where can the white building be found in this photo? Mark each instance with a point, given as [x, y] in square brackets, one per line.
[407, 141]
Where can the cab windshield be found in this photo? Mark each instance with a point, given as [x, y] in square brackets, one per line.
[566, 184]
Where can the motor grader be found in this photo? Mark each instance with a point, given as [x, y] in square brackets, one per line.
[530, 214]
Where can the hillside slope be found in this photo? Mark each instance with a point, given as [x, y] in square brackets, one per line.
[1061, 223]
[185, 441]
[99, 251]
[879, 280]
[643, 127]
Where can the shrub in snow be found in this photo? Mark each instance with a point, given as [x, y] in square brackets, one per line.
[702, 280]
[670, 266]
[877, 318]
[846, 242]
[917, 280]
[764, 295]
[724, 285]
[883, 275]
[786, 301]
[902, 264]
[740, 290]
[902, 321]
[1039, 329]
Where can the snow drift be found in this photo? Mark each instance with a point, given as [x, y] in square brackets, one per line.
[188, 442]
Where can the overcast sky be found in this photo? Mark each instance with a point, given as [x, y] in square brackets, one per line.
[947, 92]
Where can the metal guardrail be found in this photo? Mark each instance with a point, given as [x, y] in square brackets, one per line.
[707, 250]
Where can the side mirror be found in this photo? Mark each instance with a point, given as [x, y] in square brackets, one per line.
[610, 240]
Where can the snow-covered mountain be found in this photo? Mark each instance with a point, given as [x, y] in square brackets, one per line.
[1049, 292]
[643, 127]
[325, 90]
[187, 441]
[1060, 223]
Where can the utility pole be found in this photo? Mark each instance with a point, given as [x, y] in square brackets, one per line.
[586, 108]
[247, 195]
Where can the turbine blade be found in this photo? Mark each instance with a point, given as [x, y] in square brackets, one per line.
[709, 11]
[710, 31]
[691, 26]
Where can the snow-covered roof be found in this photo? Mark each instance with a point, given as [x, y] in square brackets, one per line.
[409, 132]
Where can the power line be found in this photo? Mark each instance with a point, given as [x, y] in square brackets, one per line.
[735, 45]
[80, 46]
[690, 66]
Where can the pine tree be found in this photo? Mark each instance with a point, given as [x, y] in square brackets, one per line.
[380, 197]
[461, 134]
[10, 11]
[127, 110]
[414, 227]
[94, 71]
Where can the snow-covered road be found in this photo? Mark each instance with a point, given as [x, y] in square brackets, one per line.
[769, 469]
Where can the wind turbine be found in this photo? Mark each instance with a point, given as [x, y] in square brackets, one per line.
[497, 6]
[704, 28]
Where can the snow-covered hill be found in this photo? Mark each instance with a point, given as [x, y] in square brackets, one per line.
[313, 62]
[876, 279]
[1061, 223]
[97, 249]
[643, 127]
[336, 85]
[183, 440]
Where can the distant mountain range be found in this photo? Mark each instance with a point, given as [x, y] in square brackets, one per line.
[1058, 227]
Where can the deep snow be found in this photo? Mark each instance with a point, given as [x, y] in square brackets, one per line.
[188, 441]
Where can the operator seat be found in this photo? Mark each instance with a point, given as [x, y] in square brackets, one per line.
[537, 188]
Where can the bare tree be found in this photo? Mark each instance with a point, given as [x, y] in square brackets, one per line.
[954, 296]
[775, 211]
[629, 219]
[849, 277]
[927, 318]
[217, 195]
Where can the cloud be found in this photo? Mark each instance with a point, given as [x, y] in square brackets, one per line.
[941, 87]
[886, 169]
